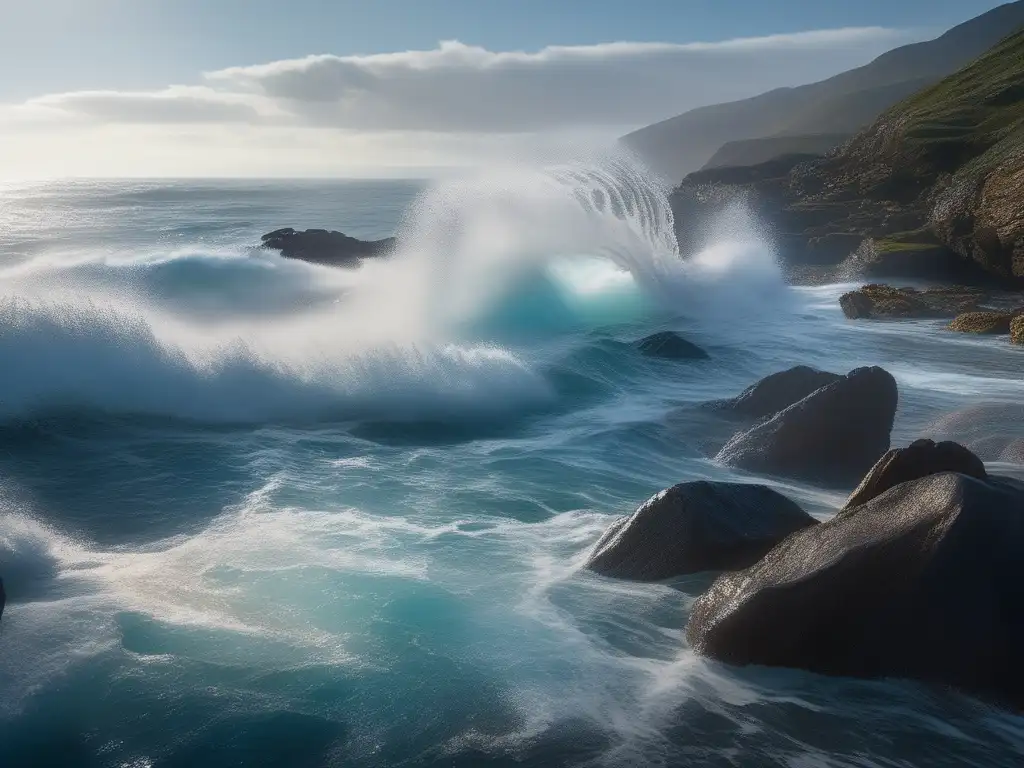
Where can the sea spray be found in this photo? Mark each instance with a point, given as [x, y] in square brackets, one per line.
[545, 251]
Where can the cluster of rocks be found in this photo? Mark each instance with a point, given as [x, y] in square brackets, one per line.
[916, 576]
[970, 309]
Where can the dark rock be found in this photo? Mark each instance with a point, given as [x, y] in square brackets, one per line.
[856, 305]
[917, 255]
[776, 392]
[922, 582]
[320, 246]
[671, 346]
[834, 435]
[920, 459]
[694, 527]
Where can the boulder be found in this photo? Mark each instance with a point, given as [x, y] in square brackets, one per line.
[985, 322]
[776, 392]
[320, 246]
[1013, 452]
[694, 527]
[987, 429]
[670, 346]
[920, 459]
[833, 435]
[856, 305]
[922, 582]
[1017, 330]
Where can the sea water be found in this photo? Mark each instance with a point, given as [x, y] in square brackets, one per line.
[259, 512]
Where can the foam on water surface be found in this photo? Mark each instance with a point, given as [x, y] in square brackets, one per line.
[260, 512]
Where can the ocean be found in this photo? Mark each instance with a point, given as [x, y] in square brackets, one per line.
[255, 512]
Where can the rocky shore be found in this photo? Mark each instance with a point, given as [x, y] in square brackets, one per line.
[970, 310]
[916, 576]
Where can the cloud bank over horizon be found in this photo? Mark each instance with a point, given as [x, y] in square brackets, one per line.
[454, 104]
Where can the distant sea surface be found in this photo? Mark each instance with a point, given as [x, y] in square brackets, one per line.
[255, 512]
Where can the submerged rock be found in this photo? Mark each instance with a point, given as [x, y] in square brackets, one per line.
[694, 527]
[985, 322]
[1014, 451]
[670, 346]
[776, 392]
[320, 246]
[987, 429]
[920, 459]
[833, 435]
[921, 582]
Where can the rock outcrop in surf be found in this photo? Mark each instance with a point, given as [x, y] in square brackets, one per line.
[833, 435]
[321, 246]
[669, 345]
[694, 527]
[775, 392]
[985, 322]
[922, 582]
[993, 431]
[919, 459]
[884, 301]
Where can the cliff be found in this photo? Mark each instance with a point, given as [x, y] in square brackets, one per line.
[932, 188]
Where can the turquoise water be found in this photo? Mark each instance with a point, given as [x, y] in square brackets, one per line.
[257, 512]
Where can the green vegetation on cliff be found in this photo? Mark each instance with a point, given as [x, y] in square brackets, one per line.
[933, 189]
[965, 124]
[955, 153]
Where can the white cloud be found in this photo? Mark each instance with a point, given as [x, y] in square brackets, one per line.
[450, 105]
[457, 87]
[177, 104]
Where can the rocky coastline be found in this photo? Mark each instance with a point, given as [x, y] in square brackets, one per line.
[908, 579]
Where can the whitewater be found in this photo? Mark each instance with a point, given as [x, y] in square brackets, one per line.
[259, 512]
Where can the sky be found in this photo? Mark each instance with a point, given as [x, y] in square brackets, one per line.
[398, 87]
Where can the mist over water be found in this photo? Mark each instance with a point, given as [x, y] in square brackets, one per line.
[255, 511]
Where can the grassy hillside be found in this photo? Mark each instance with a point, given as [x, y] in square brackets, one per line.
[964, 125]
[974, 118]
[842, 104]
[961, 142]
